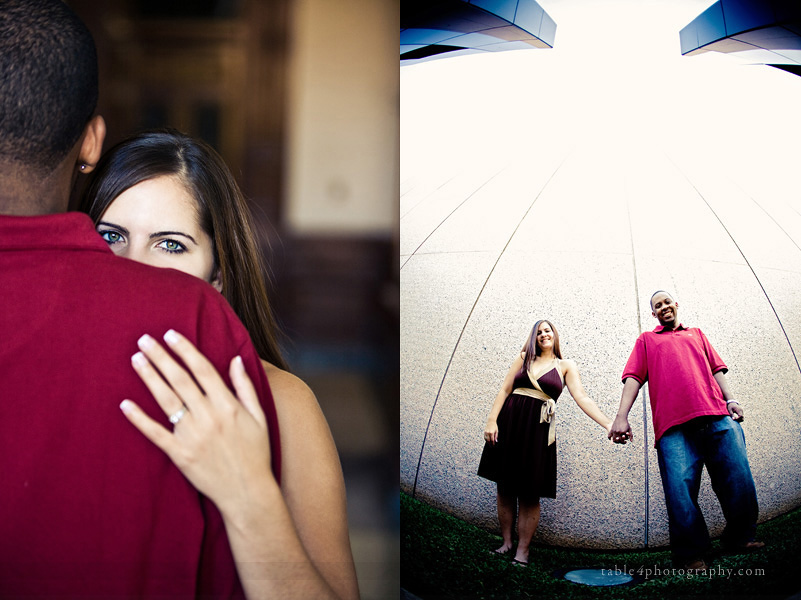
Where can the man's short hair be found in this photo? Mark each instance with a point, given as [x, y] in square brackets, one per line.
[651, 301]
[48, 81]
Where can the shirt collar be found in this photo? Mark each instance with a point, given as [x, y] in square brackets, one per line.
[60, 231]
[661, 328]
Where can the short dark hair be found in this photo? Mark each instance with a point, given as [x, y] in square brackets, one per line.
[651, 301]
[223, 214]
[48, 81]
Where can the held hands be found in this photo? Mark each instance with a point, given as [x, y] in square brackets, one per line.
[620, 431]
[219, 440]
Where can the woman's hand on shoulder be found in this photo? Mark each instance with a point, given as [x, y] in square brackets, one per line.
[221, 444]
[219, 439]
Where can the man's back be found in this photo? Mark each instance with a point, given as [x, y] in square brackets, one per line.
[89, 506]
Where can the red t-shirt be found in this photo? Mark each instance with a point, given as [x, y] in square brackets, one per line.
[88, 506]
[679, 366]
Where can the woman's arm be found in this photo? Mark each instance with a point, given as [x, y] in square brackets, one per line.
[584, 402]
[221, 445]
[491, 428]
[312, 482]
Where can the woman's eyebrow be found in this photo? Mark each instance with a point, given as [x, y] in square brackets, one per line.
[181, 233]
[119, 228]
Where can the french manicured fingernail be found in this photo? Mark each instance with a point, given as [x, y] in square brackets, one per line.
[171, 337]
[139, 360]
[126, 406]
[146, 342]
[239, 363]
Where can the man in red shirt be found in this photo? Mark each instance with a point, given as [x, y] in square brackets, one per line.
[89, 507]
[696, 423]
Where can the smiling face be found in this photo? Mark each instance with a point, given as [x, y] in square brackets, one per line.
[156, 222]
[545, 336]
[665, 309]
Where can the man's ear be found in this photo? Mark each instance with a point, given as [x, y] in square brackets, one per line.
[92, 144]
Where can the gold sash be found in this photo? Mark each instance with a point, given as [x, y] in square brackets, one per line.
[548, 411]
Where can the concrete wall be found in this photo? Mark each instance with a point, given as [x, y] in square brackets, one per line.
[582, 229]
[343, 118]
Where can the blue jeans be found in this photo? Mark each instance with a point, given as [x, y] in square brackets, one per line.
[683, 450]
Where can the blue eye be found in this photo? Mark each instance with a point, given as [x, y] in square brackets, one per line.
[111, 237]
[172, 246]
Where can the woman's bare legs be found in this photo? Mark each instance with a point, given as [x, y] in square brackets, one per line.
[527, 522]
[507, 507]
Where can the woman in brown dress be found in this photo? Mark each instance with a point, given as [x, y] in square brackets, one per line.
[520, 449]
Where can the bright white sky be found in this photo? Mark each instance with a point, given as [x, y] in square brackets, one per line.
[616, 71]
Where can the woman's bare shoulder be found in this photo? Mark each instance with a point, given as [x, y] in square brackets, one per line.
[285, 386]
[568, 364]
[312, 481]
[295, 403]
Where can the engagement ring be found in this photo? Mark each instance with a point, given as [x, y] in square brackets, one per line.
[177, 416]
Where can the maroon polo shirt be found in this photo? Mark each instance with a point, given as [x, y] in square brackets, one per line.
[89, 508]
[679, 366]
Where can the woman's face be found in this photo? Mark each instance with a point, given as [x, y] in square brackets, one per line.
[156, 222]
[544, 336]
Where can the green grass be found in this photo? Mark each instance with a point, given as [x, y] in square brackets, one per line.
[444, 557]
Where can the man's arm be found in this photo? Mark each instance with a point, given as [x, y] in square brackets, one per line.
[620, 433]
[734, 408]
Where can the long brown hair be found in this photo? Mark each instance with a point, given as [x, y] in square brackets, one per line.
[222, 211]
[532, 348]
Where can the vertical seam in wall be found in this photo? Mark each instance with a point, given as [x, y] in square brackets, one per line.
[470, 314]
[450, 214]
[645, 446]
[745, 258]
[770, 216]
[646, 516]
[792, 241]
[431, 193]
